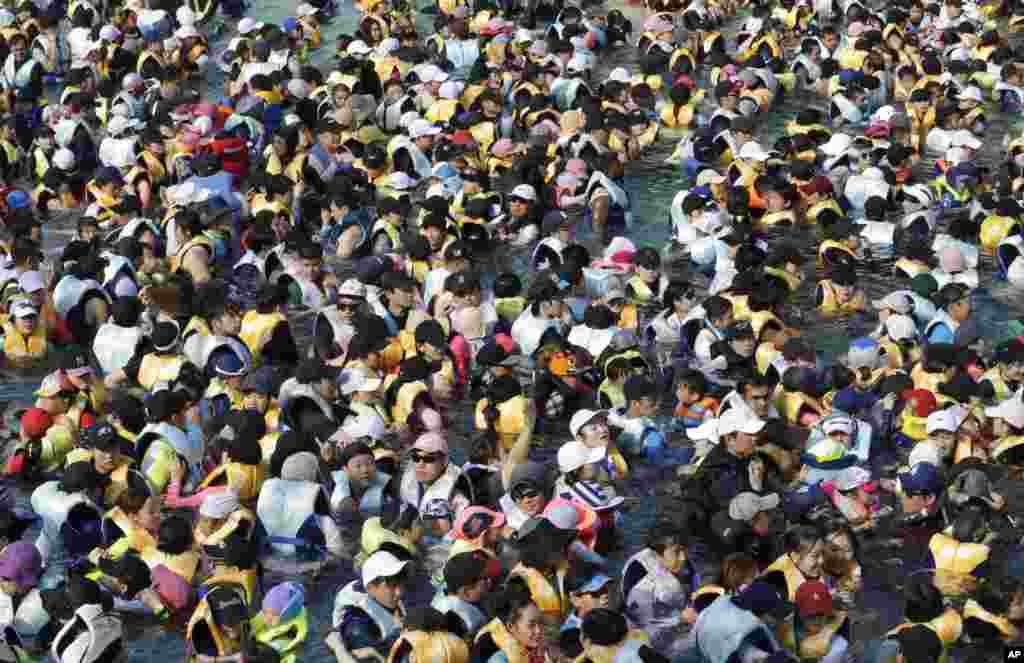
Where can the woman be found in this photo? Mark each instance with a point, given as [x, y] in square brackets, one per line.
[134, 522]
[543, 564]
[515, 635]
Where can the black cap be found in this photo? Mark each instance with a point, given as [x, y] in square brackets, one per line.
[370, 269]
[79, 477]
[397, 281]
[164, 335]
[744, 124]
[457, 250]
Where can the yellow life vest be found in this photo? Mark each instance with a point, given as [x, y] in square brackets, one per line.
[776, 218]
[135, 538]
[955, 562]
[268, 445]
[792, 281]
[994, 229]
[433, 647]
[511, 418]
[240, 516]
[995, 376]
[552, 601]
[258, 328]
[1006, 444]
[204, 615]
[219, 387]
[641, 289]
[947, 626]
[285, 638]
[19, 348]
[614, 392]
[926, 380]
[677, 117]
[973, 609]
[405, 400]
[196, 325]
[830, 300]
[185, 564]
[503, 640]
[817, 208]
[765, 354]
[740, 306]
[790, 405]
[629, 318]
[159, 368]
[794, 576]
[145, 57]
[832, 244]
[178, 257]
[245, 480]
[758, 320]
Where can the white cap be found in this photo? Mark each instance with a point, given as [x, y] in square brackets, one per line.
[30, 282]
[352, 289]
[64, 159]
[837, 425]
[739, 420]
[1010, 410]
[421, 127]
[109, 33]
[355, 379]
[185, 16]
[897, 302]
[118, 124]
[298, 88]
[523, 35]
[574, 455]
[619, 74]
[203, 125]
[753, 151]
[851, 477]
[305, 9]
[971, 93]
[450, 90]
[187, 32]
[381, 564]
[23, 308]
[582, 418]
[577, 64]
[387, 46]
[431, 74]
[524, 191]
[900, 328]
[746, 505]
[358, 47]
[249, 24]
[924, 452]
[943, 420]
[708, 176]
[836, 145]
[964, 138]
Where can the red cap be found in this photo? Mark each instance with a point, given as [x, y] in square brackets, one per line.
[35, 422]
[463, 137]
[819, 185]
[921, 402]
[813, 599]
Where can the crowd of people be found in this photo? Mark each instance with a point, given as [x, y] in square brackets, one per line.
[281, 294]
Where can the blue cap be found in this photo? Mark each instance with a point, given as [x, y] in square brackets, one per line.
[227, 363]
[17, 200]
[593, 585]
[290, 24]
[922, 478]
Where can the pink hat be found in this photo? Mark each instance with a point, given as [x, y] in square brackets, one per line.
[502, 148]
[475, 520]
[431, 442]
[505, 341]
[577, 167]
[951, 260]
[856, 29]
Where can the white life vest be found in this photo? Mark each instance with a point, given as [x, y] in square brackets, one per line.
[114, 346]
[472, 617]
[53, 506]
[443, 488]
[372, 501]
[617, 195]
[462, 54]
[722, 627]
[343, 330]
[1011, 265]
[256, 261]
[514, 516]
[191, 451]
[859, 188]
[30, 617]
[284, 507]
[666, 326]
[199, 347]
[594, 341]
[353, 595]
[939, 140]
[528, 330]
[419, 160]
[118, 152]
[70, 291]
[847, 111]
[552, 243]
[941, 317]
[881, 233]
[22, 78]
[88, 636]
[293, 389]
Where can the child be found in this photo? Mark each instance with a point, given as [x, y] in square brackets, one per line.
[677, 301]
[282, 622]
[648, 283]
[839, 295]
[694, 405]
[820, 630]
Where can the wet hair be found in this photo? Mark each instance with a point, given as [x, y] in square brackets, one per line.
[736, 569]
[663, 534]
[923, 599]
[175, 536]
[511, 603]
[693, 379]
[137, 491]
[675, 291]
[800, 538]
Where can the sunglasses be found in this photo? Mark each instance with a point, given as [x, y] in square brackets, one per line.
[418, 457]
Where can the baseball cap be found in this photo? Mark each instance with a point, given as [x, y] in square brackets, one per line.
[431, 442]
[21, 562]
[354, 380]
[523, 192]
[604, 627]
[227, 605]
[24, 309]
[574, 455]
[352, 289]
[813, 599]
[420, 128]
[396, 281]
[746, 505]
[165, 335]
[708, 176]
[494, 354]
[854, 477]
[922, 402]
[739, 420]
[589, 581]
[457, 250]
[947, 420]
[102, 436]
[381, 564]
[31, 281]
[1010, 410]
[260, 381]
[595, 496]
[920, 479]
[582, 418]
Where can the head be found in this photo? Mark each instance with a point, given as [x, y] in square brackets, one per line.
[429, 457]
[806, 547]
[523, 619]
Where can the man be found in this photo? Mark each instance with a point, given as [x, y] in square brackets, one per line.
[640, 435]
[336, 325]
[467, 578]
[434, 478]
[398, 298]
[368, 612]
[307, 400]
[589, 590]
[728, 469]
[544, 317]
